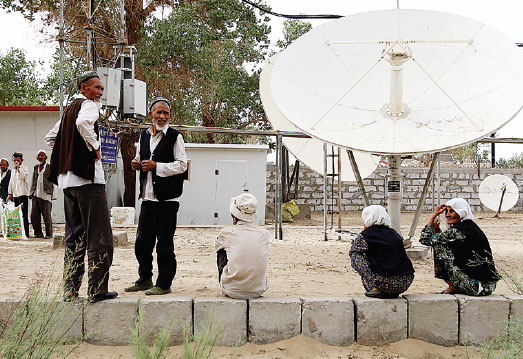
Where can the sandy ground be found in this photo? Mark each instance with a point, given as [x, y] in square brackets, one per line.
[300, 265]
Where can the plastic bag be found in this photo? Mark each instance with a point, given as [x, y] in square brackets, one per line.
[12, 221]
[289, 209]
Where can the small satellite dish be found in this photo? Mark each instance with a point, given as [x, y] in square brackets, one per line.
[399, 82]
[498, 193]
[309, 151]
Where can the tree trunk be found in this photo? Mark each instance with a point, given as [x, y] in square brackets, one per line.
[128, 151]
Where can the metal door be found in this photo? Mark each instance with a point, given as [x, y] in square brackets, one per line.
[231, 180]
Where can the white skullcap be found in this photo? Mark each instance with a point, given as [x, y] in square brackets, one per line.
[45, 153]
[243, 207]
[461, 207]
[375, 215]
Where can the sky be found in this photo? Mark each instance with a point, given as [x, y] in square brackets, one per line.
[503, 15]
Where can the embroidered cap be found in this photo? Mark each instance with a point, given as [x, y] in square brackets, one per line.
[158, 99]
[86, 76]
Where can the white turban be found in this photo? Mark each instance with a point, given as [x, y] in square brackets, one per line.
[461, 207]
[375, 215]
[45, 153]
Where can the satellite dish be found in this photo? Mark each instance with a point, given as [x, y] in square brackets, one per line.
[498, 193]
[399, 81]
[309, 150]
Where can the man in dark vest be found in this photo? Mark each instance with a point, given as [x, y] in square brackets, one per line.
[162, 163]
[5, 176]
[41, 194]
[76, 168]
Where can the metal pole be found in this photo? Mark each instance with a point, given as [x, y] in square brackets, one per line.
[395, 192]
[438, 180]
[357, 174]
[89, 31]
[339, 191]
[61, 42]
[422, 197]
[279, 233]
[325, 191]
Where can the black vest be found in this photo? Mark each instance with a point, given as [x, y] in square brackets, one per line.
[164, 187]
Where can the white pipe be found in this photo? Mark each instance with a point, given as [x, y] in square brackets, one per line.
[396, 90]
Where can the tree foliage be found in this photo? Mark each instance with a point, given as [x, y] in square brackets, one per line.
[206, 57]
[515, 161]
[19, 84]
[292, 29]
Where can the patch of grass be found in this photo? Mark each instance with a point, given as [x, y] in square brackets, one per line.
[508, 346]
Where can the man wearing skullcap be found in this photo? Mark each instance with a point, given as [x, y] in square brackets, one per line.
[5, 176]
[42, 191]
[19, 186]
[162, 163]
[76, 168]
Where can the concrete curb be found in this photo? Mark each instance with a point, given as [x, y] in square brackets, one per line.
[440, 319]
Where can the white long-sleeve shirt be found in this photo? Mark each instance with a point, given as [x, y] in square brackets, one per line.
[19, 184]
[163, 169]
[89, 112]
[247, 247]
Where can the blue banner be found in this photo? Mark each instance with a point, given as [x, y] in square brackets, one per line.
[109, 143]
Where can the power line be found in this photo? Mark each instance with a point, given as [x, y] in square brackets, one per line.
[292, 16]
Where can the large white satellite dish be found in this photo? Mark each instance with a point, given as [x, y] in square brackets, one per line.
[309, 150]
[399, 81]
[498, 193]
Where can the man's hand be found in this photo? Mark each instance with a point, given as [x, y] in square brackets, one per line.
[148, 165]
[9, 198]
[98, 154]
[31, 197]
[135, 164]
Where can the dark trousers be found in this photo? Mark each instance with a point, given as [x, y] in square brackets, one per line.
[24, 201]
[41, 208]
[87, 226]
[221, 262]
[157, 225]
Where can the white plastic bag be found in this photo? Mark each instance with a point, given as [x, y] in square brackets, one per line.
[13, 221]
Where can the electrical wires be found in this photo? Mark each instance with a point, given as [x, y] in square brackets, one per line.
[287, 16]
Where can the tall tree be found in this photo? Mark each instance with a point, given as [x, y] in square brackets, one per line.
[206, 57]
[292, 29]
[19, 84]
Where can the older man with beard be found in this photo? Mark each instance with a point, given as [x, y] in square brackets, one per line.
[42, 193]
[77, 169]
[162, 163]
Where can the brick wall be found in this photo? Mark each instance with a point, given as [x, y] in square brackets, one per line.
[454, 182]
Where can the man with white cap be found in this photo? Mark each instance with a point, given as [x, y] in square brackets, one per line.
[243, 252]
[162, 164]
[19, 186]
[41, 195]
[5, 176]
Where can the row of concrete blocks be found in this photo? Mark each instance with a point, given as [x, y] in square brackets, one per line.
[440, 319]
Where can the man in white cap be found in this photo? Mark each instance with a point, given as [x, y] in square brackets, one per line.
[5, 176]
[41, 195]
[19, 187]
[243, 252]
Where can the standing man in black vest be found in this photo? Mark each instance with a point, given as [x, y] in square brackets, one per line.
[162, 162]
[5, 177]
[42, 193]
[76, 168]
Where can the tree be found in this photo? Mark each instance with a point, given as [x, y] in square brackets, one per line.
[515, 161]
[19, 84]
[292, 29]
[206, 57]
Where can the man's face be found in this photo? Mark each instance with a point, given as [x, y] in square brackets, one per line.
[92, 89]
[4, 165]
[160, 114]
[17, 160]
[41, 157]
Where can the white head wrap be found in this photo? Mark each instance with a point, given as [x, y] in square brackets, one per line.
[45, 153]
[244, 206]
[375, 215]
[4, 159]
[461, 207]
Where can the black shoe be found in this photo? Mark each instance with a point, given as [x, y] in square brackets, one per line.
[37, 236]
[48, 237]
[375, 293]
[103, 296]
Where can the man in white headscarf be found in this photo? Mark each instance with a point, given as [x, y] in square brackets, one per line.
[42, 192]
[243, 252]
[462, 254]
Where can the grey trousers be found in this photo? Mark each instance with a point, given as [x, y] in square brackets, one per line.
[41, 208]
[87, 226]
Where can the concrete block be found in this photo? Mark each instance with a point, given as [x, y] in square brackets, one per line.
[516, 305]
[418, 252]
[58, 242]
[71, 320]
[120, 238]
[329, 320]
[122, 215]
[273, 319]
[433, 318]
[482, 318]
[380, 321]
[228, 317]
[110, 322]
[173, 312]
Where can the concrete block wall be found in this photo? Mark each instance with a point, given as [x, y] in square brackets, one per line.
[454, 182]
[440, 319]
